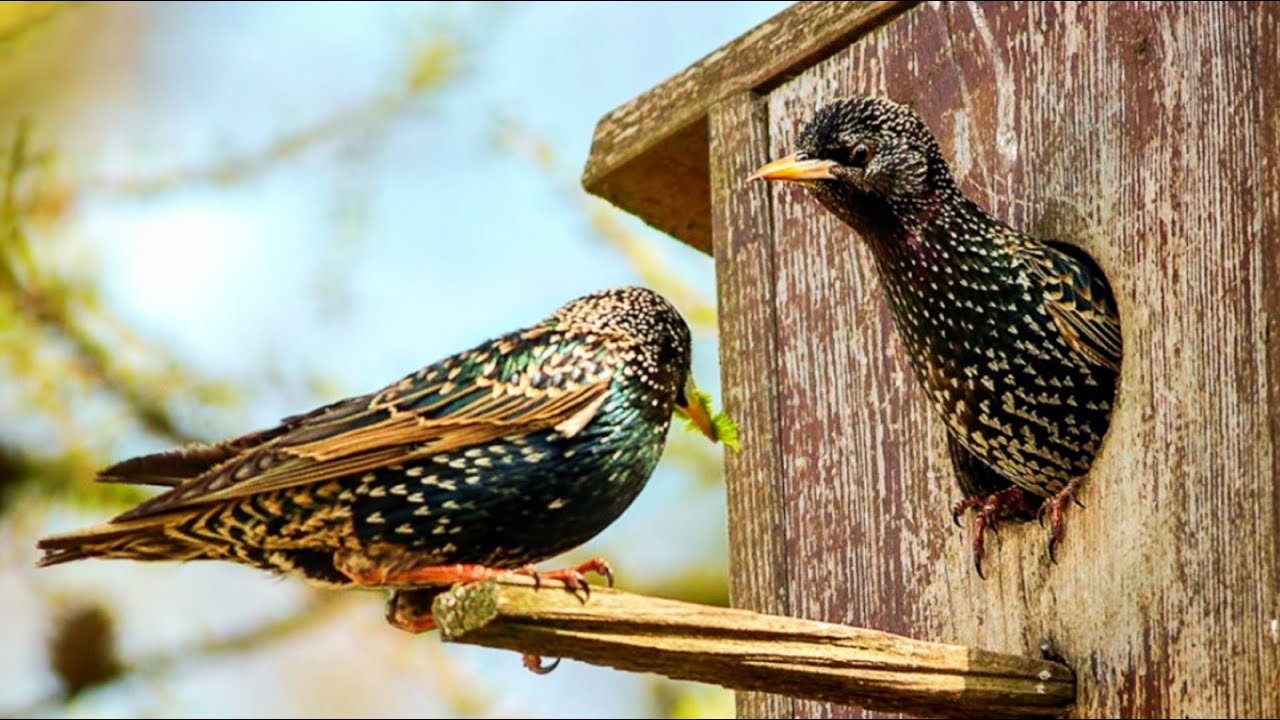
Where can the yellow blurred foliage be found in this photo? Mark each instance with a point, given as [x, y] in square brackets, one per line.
[17, 17]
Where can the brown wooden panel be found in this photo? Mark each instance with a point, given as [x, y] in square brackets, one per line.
[1147, 134]
[649, 157]
[1269, 31]
[748, 371]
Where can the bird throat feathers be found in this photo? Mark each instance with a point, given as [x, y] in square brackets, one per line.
[912, 246]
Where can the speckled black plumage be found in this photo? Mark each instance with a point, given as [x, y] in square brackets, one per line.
[1015, 340]
[509, 453]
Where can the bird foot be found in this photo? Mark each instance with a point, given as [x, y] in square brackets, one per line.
[1056, 507]
[409, 609]
[533, 663]
[574, 578]
[392, 571]
[990, 510]
[369, 572]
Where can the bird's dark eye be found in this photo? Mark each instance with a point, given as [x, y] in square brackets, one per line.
[860, 156]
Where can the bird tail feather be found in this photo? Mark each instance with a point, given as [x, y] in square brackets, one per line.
[149, 538]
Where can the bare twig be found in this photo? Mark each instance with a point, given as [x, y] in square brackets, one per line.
[750, 651]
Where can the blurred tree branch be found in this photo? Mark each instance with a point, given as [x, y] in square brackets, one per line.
[611, 226]
[51, 319]
[86, 629]
[17, 19]
[434, 62]
[43, 307]
[319, 608]
[53, 474]
[648, 263]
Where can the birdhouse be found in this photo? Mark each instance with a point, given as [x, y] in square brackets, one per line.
[1147, 134]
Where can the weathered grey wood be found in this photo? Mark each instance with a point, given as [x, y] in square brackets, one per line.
[1269, 238]
[748, 369]
[1147, 134]
[747, 650]
[650, 155]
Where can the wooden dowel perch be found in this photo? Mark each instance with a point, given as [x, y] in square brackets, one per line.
[749, 651]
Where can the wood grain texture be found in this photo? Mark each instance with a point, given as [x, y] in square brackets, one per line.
[1145, 133]
[650, 155]
[748, 369]
[747, 650]
[1269, 238]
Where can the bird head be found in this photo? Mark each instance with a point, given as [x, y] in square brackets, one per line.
[659, 337]
[864, 150]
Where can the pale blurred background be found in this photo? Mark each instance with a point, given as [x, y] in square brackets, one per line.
[215, 215]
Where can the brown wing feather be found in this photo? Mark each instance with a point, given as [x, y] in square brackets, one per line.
[168, 468]
[329, 446]
[173, 467]
[1080, 302]
[407, 437]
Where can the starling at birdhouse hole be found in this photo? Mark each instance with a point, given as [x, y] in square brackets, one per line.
[1015, 340]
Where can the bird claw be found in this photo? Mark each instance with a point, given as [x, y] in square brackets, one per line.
[1056, 507]
[964, 506]
[534, 664]
[990, 510]
[410, 611]
[574, 578]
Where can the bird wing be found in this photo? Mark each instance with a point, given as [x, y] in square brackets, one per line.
[451, 405]
[1080, 302]
[172, 467]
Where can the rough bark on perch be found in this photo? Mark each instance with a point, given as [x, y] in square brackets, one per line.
[744, 650]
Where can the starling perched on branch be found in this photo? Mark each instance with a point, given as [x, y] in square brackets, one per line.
[505, 455]
[1015, 340]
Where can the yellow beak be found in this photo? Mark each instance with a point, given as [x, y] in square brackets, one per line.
[792, 169]
[693, 409]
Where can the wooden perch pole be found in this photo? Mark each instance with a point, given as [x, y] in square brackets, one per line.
[750, 651]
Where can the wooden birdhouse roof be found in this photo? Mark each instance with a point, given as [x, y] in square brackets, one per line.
[650, 156]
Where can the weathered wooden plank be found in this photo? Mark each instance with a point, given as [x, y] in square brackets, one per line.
[1269, 31]
[1145, 133]
[864, 485]
[752, 651]
[748, 369]
[649, 156]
